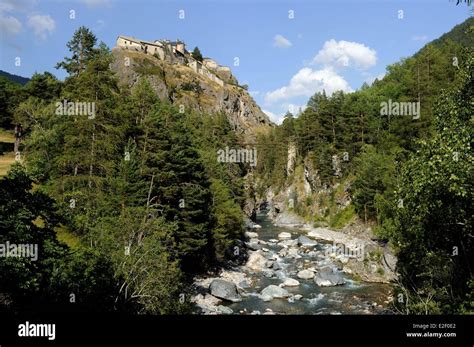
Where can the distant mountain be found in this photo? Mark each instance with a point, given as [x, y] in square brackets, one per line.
[14, 78]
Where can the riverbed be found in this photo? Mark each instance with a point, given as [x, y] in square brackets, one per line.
[352, 297]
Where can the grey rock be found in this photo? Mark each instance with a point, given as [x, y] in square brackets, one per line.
[224, 290]
[305, 241]
[275, 292]
[327, 277]
[224, 309]
[305, 274]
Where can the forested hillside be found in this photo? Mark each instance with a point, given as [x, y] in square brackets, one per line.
[407, 176]
[125, 197]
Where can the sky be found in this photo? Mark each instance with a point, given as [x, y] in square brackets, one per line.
[285, 51]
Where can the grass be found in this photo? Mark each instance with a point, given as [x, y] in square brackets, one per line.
[6, 161]
[343, 217]
[65, 236]
[62, 234]
[6, 136]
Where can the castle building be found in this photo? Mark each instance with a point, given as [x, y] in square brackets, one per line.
[175, 52]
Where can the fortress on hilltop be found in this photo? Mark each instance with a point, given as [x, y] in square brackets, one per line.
[175, 52]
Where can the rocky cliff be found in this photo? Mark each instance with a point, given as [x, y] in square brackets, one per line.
[183, 86]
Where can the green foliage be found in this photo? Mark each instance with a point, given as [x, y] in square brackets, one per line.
[82, 48]
[228, 227]
[46, 282]
[434, 223]
[374, 179]
[11, 95]
[197, 54]
[342, 217]
[138, 192]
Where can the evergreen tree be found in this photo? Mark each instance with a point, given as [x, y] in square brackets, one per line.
[82, 47]
[197, 54]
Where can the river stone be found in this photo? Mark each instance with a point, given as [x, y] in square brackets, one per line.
[305, 274]
[254, 246]
[276, 266]
[306, 241]
[327, 277]
[224, 290]
[256, 261]
[284, 235]
[269, 263]
[274, 291]
[224, 309]
[293, 253]
[290, 282]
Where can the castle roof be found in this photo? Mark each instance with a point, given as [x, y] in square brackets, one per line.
[129, 38]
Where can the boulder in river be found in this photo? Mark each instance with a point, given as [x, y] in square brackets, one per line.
[274, 291]
[256, 261]
[290, 282]
[224, 309]
[327, 277]
[305, 274]
[254, 246]
[305, 241]
[284, 235]
[224, 290]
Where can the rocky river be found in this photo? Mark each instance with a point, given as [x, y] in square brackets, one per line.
[288, 272]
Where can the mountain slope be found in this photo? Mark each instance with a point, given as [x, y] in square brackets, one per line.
[14, 78]
[182, 86]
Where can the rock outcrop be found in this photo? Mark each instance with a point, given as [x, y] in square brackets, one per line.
[181, 85]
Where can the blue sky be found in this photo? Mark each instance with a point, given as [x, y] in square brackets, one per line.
[287, 50]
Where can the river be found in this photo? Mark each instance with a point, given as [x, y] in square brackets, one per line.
[353, 297]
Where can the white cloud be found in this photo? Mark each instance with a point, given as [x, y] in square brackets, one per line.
[10, 25]
[419, 38]
[43, 25]
[370, 79]
[16, 5]
[273, 117]
[306, 82]
[346, 54]
[294, 109]
[281, 42]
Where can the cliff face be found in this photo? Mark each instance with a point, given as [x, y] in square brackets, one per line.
[183, 86]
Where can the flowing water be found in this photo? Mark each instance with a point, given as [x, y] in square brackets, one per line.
[354, 297]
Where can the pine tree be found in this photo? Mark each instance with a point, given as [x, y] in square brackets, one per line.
[197, 54]
[82, 47]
